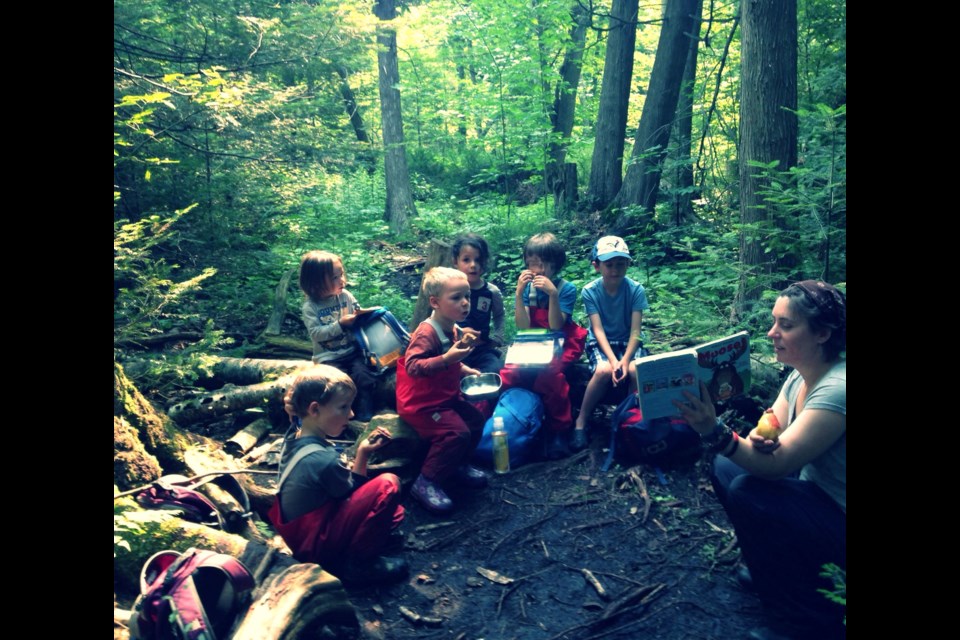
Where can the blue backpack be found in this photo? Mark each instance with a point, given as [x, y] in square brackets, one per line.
[381, 338]
[522, 413]
[660, 441]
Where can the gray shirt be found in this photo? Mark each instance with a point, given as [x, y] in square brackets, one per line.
[322, 319]
[829, 471]
[318, 478]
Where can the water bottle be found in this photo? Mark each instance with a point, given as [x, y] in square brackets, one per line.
[501, 451]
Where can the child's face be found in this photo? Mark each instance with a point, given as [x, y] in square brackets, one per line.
[539, 267]
[468, 261]
[613, 270]
[453, 303]
[337, 281]
[332, 418]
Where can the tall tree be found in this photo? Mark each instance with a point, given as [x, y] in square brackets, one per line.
[683, 200]
[565, 101]
[606, 169]
[399, 205]
[768, 127]
[642, 181]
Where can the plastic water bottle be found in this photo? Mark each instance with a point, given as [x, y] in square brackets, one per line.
[501, 450]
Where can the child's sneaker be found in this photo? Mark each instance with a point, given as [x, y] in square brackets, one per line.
[430, 495]
[369, 571]
[471, 477]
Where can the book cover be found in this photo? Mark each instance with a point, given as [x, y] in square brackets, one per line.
[534, 348]
[723, 365]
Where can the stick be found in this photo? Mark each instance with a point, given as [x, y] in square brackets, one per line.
[592, 579]
[264, 565]
[642, 488]
[591, 525]
[518, 530]
[546, 553]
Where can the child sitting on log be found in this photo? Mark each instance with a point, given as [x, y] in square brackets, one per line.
[328, 313]
[327, 512]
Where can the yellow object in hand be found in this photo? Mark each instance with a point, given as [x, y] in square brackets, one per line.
[768, 426]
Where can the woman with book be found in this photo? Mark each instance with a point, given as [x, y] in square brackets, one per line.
[786, 496]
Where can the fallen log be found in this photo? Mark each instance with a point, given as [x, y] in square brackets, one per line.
[230, 398]
[245, 439]
[298, 603]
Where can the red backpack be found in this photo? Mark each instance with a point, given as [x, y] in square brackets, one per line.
[191, 596]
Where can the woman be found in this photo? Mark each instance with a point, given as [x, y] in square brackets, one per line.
[787, 497]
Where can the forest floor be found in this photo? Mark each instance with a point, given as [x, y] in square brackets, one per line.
[667, 574]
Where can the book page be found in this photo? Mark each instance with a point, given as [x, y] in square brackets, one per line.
[664, 378]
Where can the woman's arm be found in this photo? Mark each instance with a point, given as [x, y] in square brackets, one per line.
[808, 436]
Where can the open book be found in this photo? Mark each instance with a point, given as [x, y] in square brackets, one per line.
[723, 365]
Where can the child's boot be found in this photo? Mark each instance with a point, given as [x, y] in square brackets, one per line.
[430, 495]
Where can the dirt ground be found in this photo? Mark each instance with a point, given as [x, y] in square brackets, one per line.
[668, 573]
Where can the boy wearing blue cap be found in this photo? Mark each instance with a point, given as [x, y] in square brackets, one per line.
[615, 306]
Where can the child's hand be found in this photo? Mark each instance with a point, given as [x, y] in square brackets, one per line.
[469, 371]
[379, 438]
[466, 336]
[348, 320]
[457, 352]
[619, 372]
[526, 277]
[545, 284]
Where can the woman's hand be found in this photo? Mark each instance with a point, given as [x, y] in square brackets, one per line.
[761, 444]
[698, 412]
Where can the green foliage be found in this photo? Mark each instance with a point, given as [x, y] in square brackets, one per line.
[130, 524]
[838, 593]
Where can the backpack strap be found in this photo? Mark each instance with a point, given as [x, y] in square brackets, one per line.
[445, 343]
[301, 453]
[628, 403]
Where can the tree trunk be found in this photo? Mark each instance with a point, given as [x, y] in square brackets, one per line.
[439, 256]
[768, 128]
[606, 171]
[564, 105]
[351, 106]
[144, 440]
[399, 205]
[275, 323]
[684, 196]
[642, 182]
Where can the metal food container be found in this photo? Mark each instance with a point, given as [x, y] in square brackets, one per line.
[485, 386]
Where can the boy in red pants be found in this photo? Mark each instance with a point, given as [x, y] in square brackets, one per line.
[428, 390]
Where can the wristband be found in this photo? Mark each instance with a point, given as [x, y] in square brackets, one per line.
[718, 439]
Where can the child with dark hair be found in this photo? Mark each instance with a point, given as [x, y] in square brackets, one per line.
[471, 256]
[325, 511]
[328, 313]
[545, 300]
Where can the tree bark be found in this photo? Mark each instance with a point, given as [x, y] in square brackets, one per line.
[606, 171]
[768, 128]
[683, 199]
[229, 399]
[399, 205]
[564, 106]
[351, 106]
[642, 182]
[275, 322]
[438, 256]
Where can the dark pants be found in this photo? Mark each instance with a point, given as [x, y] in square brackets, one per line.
[485, 360]
[787, 529]
[356, 367]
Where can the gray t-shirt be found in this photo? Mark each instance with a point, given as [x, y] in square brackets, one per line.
[616, 311]
[829, 471]
[317, 478]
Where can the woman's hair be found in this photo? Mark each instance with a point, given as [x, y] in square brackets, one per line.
[435, 279]
[321, 383]
[546, 247]
[824, 307]
[316, 272]
[471, 240]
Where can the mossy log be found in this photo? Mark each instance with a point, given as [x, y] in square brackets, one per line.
[144, 440]
[297, 603]
[282, 347]
[255, 370]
